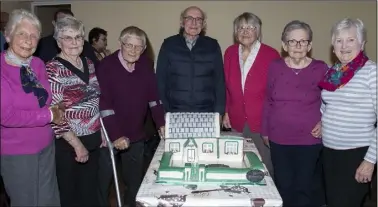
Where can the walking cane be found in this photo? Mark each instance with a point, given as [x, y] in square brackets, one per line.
[110, 147]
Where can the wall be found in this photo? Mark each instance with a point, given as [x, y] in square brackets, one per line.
[160, 19]
[8, 6]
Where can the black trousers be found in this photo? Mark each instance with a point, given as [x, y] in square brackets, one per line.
[340, 169]
[131, 163]
[297, 176]
[78, 183]
[132, 171]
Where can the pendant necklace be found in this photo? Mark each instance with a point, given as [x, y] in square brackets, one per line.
[295, 71]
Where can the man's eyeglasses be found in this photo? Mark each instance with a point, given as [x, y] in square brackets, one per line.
[129, 46]
[197, 20]
[293, 43]
[70, 39]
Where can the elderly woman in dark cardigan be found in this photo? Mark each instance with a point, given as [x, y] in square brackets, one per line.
[128, 88]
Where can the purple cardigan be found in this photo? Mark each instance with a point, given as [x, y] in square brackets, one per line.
[25, 127]
[292, 105]
[129, 95]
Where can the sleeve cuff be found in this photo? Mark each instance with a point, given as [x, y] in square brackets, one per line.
[51, 116]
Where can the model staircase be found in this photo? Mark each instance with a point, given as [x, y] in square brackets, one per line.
[194, 174]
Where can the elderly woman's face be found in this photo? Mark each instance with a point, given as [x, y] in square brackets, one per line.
[297, 44]
[71, 42]
[246, 34]
[24, 39]
[346, 45]
[132, 47]
[193, 22]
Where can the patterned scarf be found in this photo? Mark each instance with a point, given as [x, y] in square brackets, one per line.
[337, 76]
[29, 80]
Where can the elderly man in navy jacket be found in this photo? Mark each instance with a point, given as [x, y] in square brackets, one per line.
[190, 68]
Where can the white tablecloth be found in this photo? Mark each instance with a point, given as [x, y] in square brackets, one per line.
[153, 194]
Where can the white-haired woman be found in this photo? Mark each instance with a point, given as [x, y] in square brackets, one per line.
[129, 87]
[246, 68]
[349, 117]
[73, 82]
[27, 147]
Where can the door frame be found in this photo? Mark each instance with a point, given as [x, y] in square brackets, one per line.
[35, 4]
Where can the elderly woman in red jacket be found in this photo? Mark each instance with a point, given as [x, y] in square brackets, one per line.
[246, 66]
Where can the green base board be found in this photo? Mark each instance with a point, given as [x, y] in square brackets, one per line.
[215, 182]
[255, 162]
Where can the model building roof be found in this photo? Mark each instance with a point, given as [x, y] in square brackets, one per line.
[192, 125]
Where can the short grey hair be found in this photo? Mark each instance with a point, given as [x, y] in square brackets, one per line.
[133, 31]
[16, 18]
[183, 13]
[68, 22]
[294, 25]
[250, 19]
[346, 24]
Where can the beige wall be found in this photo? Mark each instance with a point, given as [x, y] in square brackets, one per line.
[160, 19]
[8, 6]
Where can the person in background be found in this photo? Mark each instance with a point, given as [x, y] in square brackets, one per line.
[349, 116]
[73, 82]
[3, 21]
[245, 68]
[123, 75]
[291, 117]
[26, 141]
[47, 48]
[190, 68]
[98, 39]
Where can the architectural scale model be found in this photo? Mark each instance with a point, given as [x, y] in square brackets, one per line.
[196, 152]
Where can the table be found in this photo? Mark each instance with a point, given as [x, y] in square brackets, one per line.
[153, 194]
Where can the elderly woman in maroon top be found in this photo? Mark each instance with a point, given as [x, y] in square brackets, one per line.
[128, 88]
[291, 118]
[245, 66]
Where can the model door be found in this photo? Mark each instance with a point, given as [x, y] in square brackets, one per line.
[191, 155]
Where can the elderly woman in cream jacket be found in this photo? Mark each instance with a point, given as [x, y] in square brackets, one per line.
[349, 116]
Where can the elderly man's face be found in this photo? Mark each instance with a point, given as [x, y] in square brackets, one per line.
[60, 15]
[193, 22]
[297, 44]
[132, 47]
[346, 45]
[24, 39]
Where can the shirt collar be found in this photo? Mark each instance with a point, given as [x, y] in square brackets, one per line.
[123, 62]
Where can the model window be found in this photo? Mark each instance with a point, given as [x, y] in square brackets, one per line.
[207, 148]
[231, 148]
[174, 147]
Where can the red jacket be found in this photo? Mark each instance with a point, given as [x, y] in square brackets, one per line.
[247, 107]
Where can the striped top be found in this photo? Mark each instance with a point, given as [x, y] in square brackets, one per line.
[80, 93]
[349, 113]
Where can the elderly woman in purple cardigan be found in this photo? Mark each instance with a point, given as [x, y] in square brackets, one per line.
[27, 147]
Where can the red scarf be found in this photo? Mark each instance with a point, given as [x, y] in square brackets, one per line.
[337, 76]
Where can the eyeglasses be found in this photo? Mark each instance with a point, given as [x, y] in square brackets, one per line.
[248, 28]
[293, 43]
[197, 20]
[25, 36]
[69, 39]
[129, 46]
